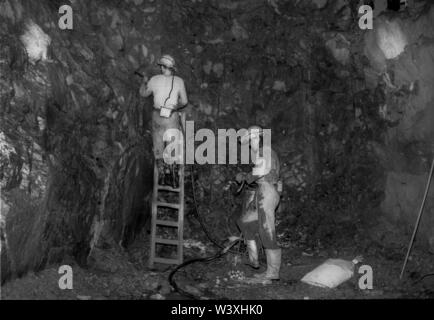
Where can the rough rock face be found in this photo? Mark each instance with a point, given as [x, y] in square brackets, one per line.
[401, 50]
[294, 67]
[76, 171]
[75, 162]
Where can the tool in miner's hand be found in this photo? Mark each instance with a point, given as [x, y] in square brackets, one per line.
[418, 219]
[178, 224]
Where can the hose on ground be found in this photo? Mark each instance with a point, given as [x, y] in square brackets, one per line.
[206, 259]
[222, 252]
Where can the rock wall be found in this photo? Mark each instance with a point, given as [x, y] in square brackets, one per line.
[296, 67]
[77, 169]
[401, 52]
[342, 103]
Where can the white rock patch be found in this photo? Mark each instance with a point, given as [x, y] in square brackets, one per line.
[36, 42]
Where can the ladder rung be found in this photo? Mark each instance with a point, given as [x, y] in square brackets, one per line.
[178, 223]
[167, 241]
[166, 260]
[167, 188]
[167, 223]
[168, 205]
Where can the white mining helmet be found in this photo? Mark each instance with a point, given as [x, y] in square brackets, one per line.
[168, 61]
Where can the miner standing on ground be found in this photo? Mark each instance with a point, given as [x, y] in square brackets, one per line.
[169, 95]
[258, 217]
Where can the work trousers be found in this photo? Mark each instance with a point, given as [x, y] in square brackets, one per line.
[258, 217]
[159, 126]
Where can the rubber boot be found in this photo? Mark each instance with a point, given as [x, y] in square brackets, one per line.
[274, 258]
[252, 250]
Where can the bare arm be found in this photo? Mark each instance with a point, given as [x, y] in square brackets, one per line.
[145, 88]
[183, 94]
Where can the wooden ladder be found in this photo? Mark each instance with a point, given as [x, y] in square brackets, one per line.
[156, 221]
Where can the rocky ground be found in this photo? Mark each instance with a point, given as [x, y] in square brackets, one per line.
[127, 276]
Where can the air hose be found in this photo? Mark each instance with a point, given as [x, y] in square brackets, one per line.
[423, 277]
[196, 210]
[198, 216]
[206, 259]
[223, 251]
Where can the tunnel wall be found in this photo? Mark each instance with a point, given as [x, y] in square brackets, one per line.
[77, 171]
[401, 52]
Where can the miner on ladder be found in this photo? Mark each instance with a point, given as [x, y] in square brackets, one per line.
[169, 96]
